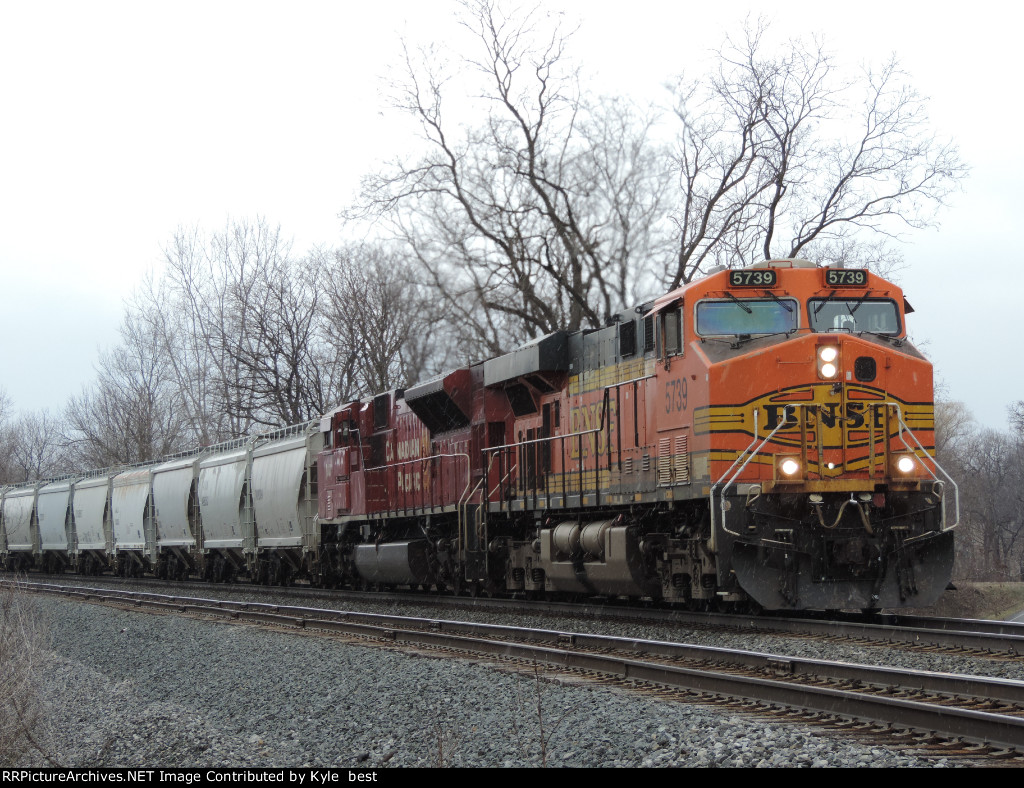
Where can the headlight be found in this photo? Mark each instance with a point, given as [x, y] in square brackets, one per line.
[828, 361]
[906, 463]
[787, 468]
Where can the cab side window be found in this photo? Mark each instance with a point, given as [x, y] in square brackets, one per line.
[672, 332]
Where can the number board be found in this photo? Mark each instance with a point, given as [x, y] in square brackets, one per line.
[756, 277]
[846, 277]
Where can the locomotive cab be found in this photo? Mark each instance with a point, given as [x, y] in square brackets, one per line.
[339, 458]
[824, 489]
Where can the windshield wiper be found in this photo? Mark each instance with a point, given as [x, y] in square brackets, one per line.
[777, 300]
[885, 337]
[821, 306]
[743, 306]
[741, 338]
[859, 302]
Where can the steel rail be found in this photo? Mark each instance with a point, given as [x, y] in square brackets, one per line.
[982, 636]
[874, 702]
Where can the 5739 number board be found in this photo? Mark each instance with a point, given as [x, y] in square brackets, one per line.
[758, 277]
[846, 277]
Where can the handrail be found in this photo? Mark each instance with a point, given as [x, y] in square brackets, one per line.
[501, 481]
[390, 465]
[753, 452]
[545, 439]
[956, 488]
[579, 435]
[463, 508]
[429, 458]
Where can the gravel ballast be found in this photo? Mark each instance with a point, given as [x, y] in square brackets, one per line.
[132, 689]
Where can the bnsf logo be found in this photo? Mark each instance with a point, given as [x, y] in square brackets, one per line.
[589, 419]
[856, 415]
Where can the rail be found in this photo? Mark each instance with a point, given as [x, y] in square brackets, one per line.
[981, 710]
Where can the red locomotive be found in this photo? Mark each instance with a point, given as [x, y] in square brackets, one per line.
[763, 436]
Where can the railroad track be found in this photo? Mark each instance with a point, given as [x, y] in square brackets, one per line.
[965, 637]
[979, 716]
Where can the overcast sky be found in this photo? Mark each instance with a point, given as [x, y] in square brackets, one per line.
[123, 121]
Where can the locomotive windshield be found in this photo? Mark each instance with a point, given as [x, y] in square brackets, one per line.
[878, 316]
[747, 316]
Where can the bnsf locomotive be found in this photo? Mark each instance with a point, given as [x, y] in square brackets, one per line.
[762, 437]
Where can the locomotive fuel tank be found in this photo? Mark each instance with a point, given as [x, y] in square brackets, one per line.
[602, 557]
[409, 563]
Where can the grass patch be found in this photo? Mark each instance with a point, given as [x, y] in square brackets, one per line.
[979, 600]
[23, 646]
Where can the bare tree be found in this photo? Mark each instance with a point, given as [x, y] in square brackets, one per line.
[988, 466]
[954, 428]
[36, 447]
[555, 211]
[1016, 413]
[238, 318]
[6, 437]
[184, 311]
[378, 321]
[992, 474]
[539, 217]
[252, 335]
[30, 444]
[273, 345]
[780, 156]
[130, 414]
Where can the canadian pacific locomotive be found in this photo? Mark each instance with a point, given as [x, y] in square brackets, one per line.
[761, 437]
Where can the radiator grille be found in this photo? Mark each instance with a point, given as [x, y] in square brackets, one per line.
[673, 462]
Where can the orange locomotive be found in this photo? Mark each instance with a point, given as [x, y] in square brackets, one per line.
[761, 437]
